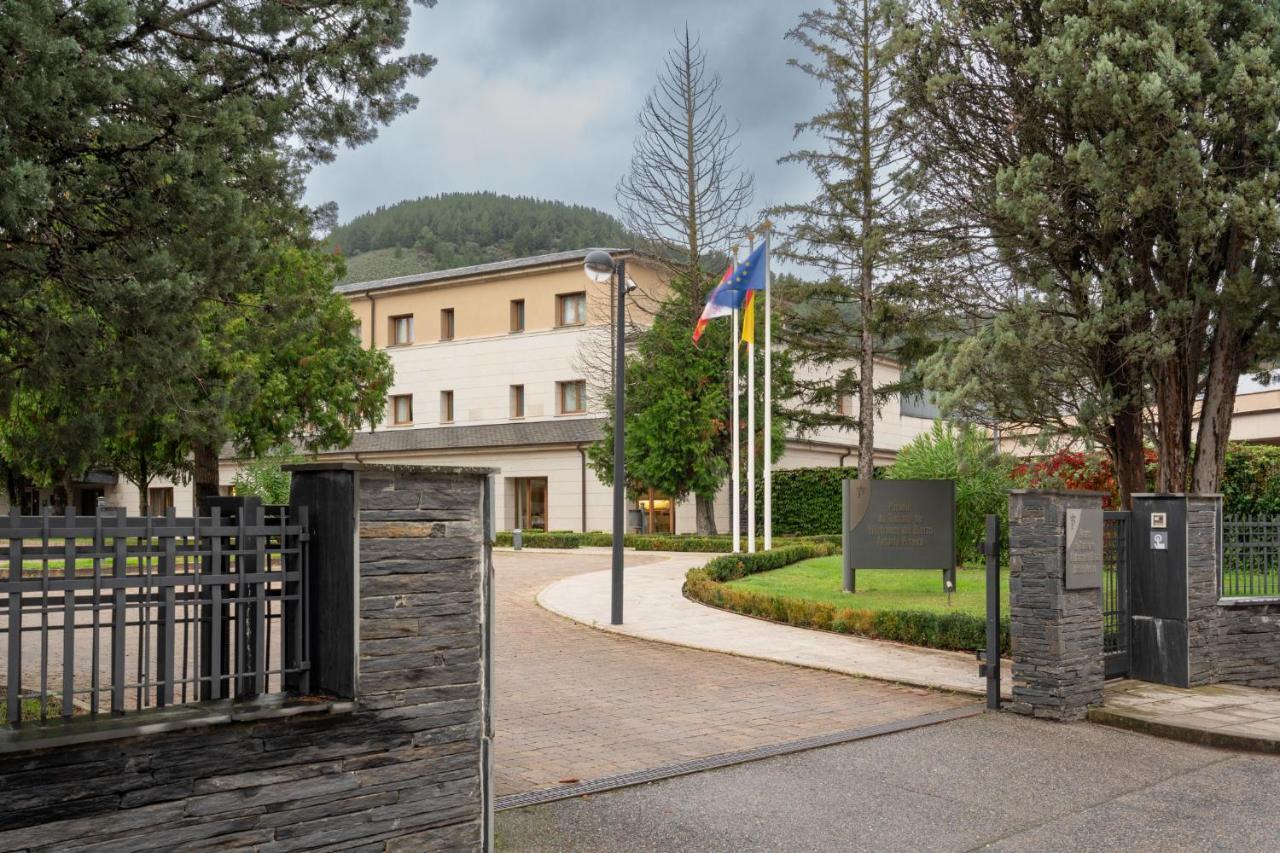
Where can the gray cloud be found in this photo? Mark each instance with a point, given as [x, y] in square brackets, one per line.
[539, 97]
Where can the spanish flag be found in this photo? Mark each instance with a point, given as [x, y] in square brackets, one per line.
[749, 318]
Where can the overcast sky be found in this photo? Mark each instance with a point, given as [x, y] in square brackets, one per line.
[539, 97]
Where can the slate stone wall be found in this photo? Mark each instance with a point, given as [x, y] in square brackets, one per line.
[1055, 633]
[402, 771]
[1234, 644]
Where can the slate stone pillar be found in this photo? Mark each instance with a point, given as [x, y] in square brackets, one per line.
[1056, 633]
[1204, 548]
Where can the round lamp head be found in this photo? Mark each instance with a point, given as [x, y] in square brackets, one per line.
[598, 266]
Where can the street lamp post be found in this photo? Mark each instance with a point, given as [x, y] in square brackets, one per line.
[601, 268]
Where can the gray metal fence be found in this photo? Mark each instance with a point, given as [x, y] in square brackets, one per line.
[112, 613]
[1250, 557]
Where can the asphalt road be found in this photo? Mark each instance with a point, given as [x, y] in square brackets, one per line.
[995, 781]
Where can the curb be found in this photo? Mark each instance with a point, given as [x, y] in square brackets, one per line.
[1200, 737]
[904, 682]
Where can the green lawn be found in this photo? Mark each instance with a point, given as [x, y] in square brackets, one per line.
[819, 579]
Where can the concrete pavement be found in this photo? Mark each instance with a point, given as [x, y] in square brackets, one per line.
[655, 609]
[996, 781]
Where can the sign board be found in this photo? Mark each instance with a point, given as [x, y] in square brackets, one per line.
[900, 524]
[1084, 549]
[1159, 540]
[1159, 521]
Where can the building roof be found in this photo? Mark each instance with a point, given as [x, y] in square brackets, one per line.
[515, 434]
[441, 276]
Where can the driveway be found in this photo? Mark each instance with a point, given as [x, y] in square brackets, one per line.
[575, 703]
[994, 781]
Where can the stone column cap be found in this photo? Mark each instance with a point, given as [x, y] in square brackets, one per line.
[1083, 493]
[1176, 494]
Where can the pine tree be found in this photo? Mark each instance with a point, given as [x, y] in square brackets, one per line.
[853, 229]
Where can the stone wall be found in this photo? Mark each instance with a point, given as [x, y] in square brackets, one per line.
[400, 768]
[1055, 633]
[1233, 643]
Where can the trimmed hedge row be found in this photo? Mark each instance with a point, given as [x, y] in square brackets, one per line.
[955, 631]
[641, 542]
[806, 501]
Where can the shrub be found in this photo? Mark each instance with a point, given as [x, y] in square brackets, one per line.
[956, 631]
[1251, 482]
[645, 542]
[806, 501]
[963, 454]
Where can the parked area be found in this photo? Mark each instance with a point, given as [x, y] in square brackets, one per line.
[574, 703]
[997, 779]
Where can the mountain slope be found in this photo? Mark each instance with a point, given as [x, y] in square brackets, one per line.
[461, 229]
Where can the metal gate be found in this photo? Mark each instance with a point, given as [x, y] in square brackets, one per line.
[1115, 594]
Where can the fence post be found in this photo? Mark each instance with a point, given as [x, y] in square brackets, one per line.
[328, 492]
[991, 547]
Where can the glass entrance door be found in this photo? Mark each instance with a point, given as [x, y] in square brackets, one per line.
[531, 503]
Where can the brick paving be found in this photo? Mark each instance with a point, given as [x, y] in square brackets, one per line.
[575, 703]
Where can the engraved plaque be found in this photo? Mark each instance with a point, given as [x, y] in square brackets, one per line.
[899, 524]
[1083, 560]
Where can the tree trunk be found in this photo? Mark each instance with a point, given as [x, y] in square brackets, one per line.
[866, 367]
[1173, 414]
[705, 510]
[1226, 358]
[204, 475]
[1128, 454]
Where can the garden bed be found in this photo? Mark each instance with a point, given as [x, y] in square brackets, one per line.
[800, 585]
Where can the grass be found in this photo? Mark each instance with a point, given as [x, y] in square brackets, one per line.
[31, 709]
[819, 579]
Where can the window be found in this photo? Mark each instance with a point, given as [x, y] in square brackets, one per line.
[159, 500]
[517, 401]
[842, 404]
[517, 315]
[446, 407]
[571, 309]
[446, 324]
[402, 330]
[402, 409]
[357, 331]
[573, 397]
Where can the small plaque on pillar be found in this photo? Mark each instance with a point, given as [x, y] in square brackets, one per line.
[1083, 561]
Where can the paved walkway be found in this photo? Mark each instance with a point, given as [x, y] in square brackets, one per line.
[1223, 715]
[574, 703]
[655, 609]
[994, 781]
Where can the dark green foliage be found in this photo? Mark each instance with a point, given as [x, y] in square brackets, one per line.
[806, 501]
[1251, 484]
[958, 631]
[463, 229]
[644, 542]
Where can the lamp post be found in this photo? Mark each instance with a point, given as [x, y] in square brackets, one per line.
[601, 268]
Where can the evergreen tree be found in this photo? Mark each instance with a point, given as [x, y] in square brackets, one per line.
[853, 229]
[1105, 178]
[678, 433]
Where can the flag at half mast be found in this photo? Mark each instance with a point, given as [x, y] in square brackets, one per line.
[714, 308]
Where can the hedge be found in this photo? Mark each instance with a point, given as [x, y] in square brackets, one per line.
[1251, 480]
[806, 501]
[644, 542]
[956, 631]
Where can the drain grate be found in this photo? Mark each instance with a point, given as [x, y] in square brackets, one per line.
[728, 759]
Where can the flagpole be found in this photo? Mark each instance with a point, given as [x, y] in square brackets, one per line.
[768, 395]
[751, 434]
[736, 479]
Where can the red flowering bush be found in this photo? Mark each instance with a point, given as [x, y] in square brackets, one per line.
[1073, 469]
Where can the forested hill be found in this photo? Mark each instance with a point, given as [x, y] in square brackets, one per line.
[461, 229]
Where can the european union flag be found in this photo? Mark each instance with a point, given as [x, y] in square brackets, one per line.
[750, 275]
